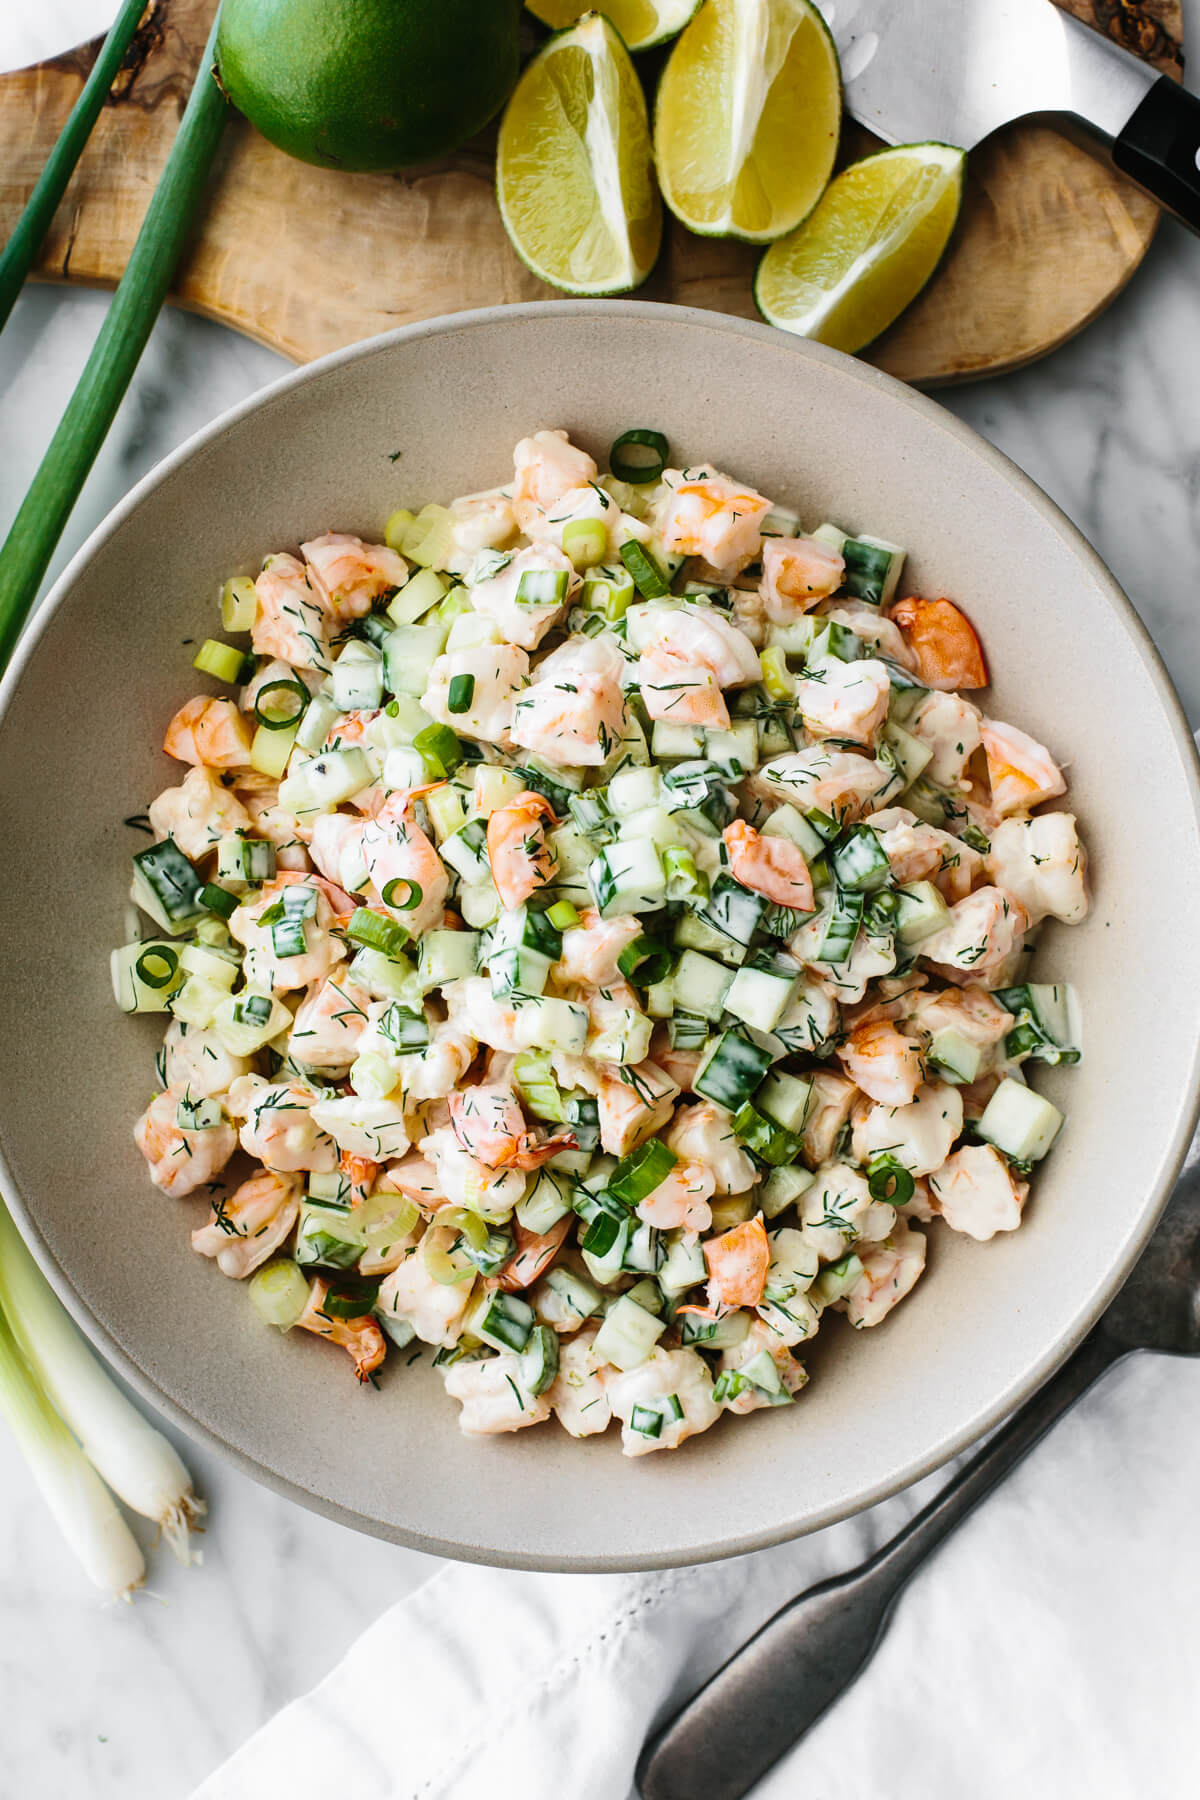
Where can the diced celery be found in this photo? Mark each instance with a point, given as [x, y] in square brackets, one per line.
[397, 528]
[222, 661]
[429, 540]
[449, 808]
[270, 750]
[494, 788]
[239, 604]
[415, 598]
[320, 715]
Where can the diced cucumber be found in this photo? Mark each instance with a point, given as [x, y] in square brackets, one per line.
[841, 928]
[387, 977]
[573, 851]
[684, 1267]
[733, 910]
[760, 993]
[714, 1334]
[782, 1188]
[786, 1099]
[768, 1141]
[797, 637]
[645, 1251]
[245, 1022]
[860, 862]
[786, 822]
[414, 599]
[836, 1279]
[1019, 1122]
[912, 756]
[955, 1057]
[502, 1320]
[494, 788]
[575, 1296]
[731, 1071]
[920, 911]
[701, 984]
[409, 653]
[245, 860]
[398, 723]
[873, 568]
[403, 768]
[356, 684]
[539, 1361]
[628, 1334]
[545, 1203]
[465, 851]
[660, 998]
[604, 1245]
[327, 1237]
[167, 887]
[735, 751]
[548, 1024]
[1046, 1022]
[774, 736]
[479, 905]
[833, 535]
[145, 975]
[324, 781]
[523, 946]
[693, 933]
[625, 1038]
[446, 956]
[628, 877]
[647, 1295]
[631, 789]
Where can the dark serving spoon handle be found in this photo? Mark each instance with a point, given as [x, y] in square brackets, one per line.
[776, 1686]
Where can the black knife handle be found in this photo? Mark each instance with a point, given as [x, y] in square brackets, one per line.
[1160, 146]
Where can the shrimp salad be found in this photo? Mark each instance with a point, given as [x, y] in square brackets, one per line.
[595, 930]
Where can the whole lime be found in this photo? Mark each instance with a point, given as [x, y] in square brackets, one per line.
[368, 84]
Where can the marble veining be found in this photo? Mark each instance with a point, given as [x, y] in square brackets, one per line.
[144, 1701]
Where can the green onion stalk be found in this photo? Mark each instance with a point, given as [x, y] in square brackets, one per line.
[134, 1458]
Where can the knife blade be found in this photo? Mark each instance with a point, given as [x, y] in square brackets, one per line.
[956, 70]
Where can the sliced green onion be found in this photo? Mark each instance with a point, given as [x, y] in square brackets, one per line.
[562, 915]
[157, 967]
[601, 1234]
[218, 899]
[684, 880]
[404, 1029]
[239, 604]
[218, 659]
[639, 1173]
[350, 1302]
[777, 677]
[644, 962]
[368, 928]
[610, 593]
[285, 713]
[889, 1180]
[585, 541]
[533, 1074]
[441, 750]
[542, 587]
[639, 456]
[444, 1260]
[648, 578]
[279, 1293]
[402, 895]
[400, 522]
[647, 1420]
[460, 694]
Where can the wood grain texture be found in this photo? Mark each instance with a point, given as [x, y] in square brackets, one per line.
[306, 260]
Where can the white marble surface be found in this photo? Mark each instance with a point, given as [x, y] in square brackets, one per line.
[145, 1701]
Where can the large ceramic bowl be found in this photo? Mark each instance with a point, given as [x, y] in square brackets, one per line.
[432, 411]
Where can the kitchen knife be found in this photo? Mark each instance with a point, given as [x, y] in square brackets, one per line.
[955, 70]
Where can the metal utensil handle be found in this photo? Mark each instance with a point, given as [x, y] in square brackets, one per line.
[775, 1687]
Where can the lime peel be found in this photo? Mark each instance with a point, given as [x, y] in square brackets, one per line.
[641, 23]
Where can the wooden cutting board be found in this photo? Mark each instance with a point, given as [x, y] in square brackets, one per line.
[306, 260]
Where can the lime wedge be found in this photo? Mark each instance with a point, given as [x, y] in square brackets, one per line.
[574, 171]
[747, 118]
[640, 22]
[870, 246]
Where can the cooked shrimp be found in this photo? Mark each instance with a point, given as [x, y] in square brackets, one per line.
[981, 933]
[490, 1126]
[198, 813]
[1021, 771]
[883, 1062]
[181, 1159]
[279, 1128]
[796, 573]
[970, 1011]
[483, 521]
[434, 1309]
[918, 1136]
[975, 1192]
[682, 693]
[868, 623]
[416, 1178]
[713, 517]
[498, 673]
[396, 851]
[680, 1373]
[291, 622]
[832, 1098]
[465, 1181]
[497, 597]
[336, 849]
[837, 782]
[493, 1399]
[546, 466]
[737, 1265]
[917, 852]
[579, 1393]
[264, 966]
[698, 635]
[249, 1225]
[522, 861]
[196, 1062]
[681, 1200]
[211, 732]
[703, 1134]
[329, 1024]
[1042, 862]
[535, 1252]
[361, 1337]
[773, 866]
[477, 1010]
[942, 639]
[633, 1104]
[574, 714]
[890, 1270]
[349, 576]
[845, 700]
[760, 1337]
[444, 1061]
[839, 1208]
[259, 795]
[590, 950]
[949, 725]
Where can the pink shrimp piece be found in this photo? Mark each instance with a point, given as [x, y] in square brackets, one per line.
[291, 623]
[773, 866]
[884, 1063]
[249, 1225]
[416, 1178]
[259, 795]
[395, 849]
[681, 1200]
[328, 1025]
[181, 1160]
[350, 575]
[715, 518]
[1022, 772]
[522, 861]
[535, 1252]
[680, 692]
[590, 950]
[633, 1103]
[198, 813]
[943, 640]
[796, 573]
[361, 1337]
[360, 1174]
[211, 732]
[547, 466]
[737, 1265]
[278, 1127]
[490, 1127]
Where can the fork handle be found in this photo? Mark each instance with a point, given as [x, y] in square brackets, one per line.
[776, 1686]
